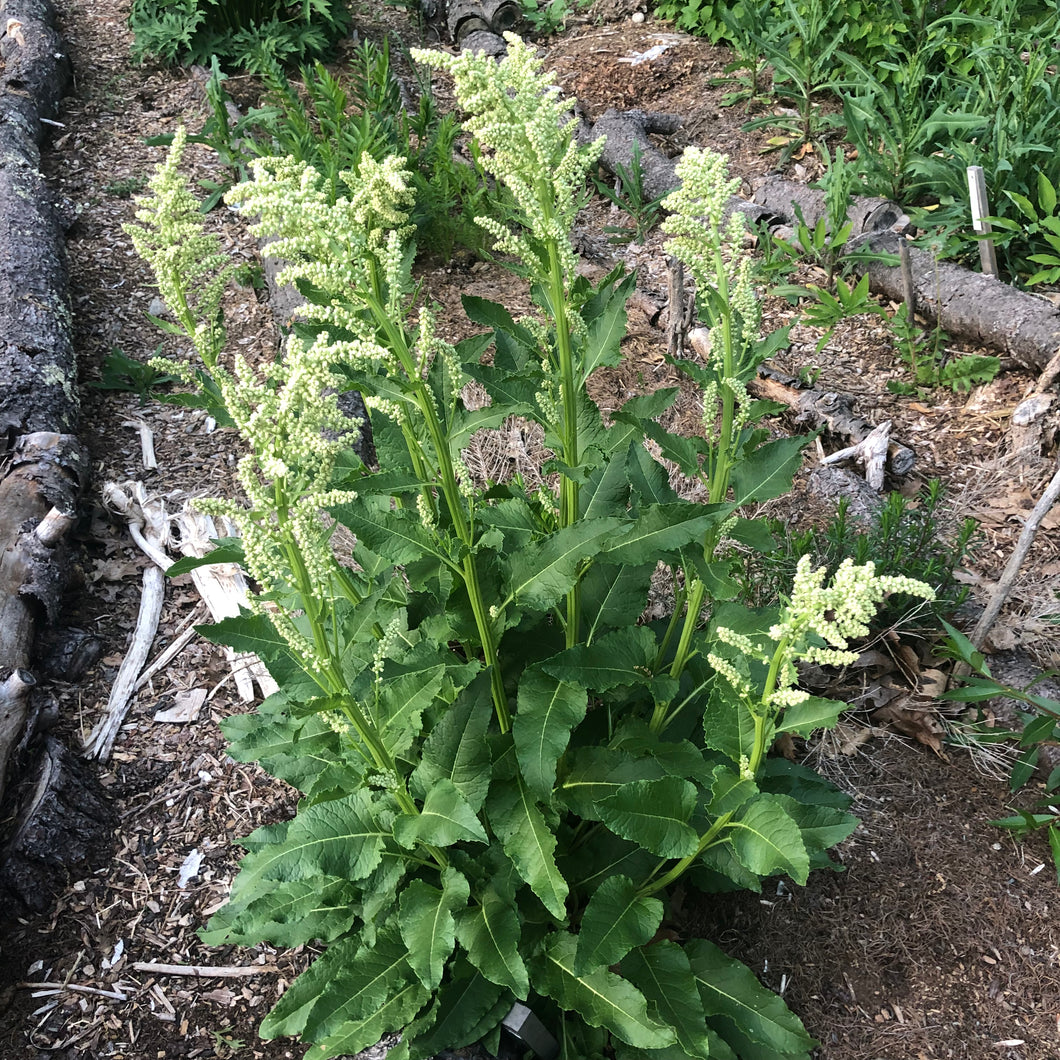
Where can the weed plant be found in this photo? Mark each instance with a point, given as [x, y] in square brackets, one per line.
[503, 772]
[331, 123]
[1041, 727]
[250, 35]
[629, 195]
[907, 536]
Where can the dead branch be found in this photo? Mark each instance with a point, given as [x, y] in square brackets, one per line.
[833, 411]
[219, 972]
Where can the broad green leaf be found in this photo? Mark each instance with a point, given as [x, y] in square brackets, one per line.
[515, 519]
[665, 528]
[615, 920]
[664, 976]
[377, 896]
[625, 657]
[548, 708]
[601, 998]
[542, 573]
[752, 1019]
[398, 536]
[728, 725]
[606, 492]
[225, 550]
[648, 478]
[729, 791]
[767, 471]
[349, 981]
[287, 914]
[456, 749]
[467, 1006]
[767, 840]
[400, 702]
[466, 422]
[250, 633]
[680, 758]
[425, 919]
[343, 837]
[446, 818]
[821, 826]
[614, 596]
[647, 406]
[593, 774]
[655, 814]
[357, 1034]
[490, 932]
[607, 330]
[528, 841]
[809, 715]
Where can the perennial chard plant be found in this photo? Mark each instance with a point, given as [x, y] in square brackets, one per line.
[503, 770]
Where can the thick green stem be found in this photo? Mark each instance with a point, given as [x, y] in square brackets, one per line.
[569, 392]
[695, 594]
[450, 490]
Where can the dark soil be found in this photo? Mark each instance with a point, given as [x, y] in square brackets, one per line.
[940, 938]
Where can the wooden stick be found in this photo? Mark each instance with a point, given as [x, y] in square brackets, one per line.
[980, 211]
[101, 740]
[58, 987]
[1012, 568]
[220, 972]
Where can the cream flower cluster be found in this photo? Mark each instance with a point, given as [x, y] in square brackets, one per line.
[712, 250]
[190, 270]
[836, 613]
[334, 245]
[526, 129]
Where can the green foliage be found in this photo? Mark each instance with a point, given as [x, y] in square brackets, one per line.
[907, 536]
[924, 351]
[1041, 726]
[331, 122]
[548, 17]
[629, 195]
[801, 48]
[502, 771]
[1038, 228]
[122, 372]
[252, 35]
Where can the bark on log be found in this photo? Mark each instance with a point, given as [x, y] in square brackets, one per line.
[64, 820]
[36, 352]
[44, 477]
[971, 306]
[52, 809]
[465, 17]
[623, 130]
[778, 197]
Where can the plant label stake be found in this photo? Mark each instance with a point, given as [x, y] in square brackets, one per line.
[530, 1032]
[980, 212]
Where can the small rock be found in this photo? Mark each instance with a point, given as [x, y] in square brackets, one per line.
[637, 17]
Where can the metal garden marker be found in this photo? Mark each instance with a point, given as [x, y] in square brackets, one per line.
[980, 211]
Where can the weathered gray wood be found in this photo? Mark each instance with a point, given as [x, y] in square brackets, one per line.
[36, 351]
[53, 812]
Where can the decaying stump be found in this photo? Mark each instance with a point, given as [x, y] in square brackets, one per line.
[50, 800]
[468, 17]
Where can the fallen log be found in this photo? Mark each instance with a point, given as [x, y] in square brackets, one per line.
[53, 811]
[38, 496]
[970, 306]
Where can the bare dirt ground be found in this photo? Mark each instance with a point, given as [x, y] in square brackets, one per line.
[939, 940]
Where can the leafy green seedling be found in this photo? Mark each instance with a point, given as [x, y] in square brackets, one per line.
[121, 372]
